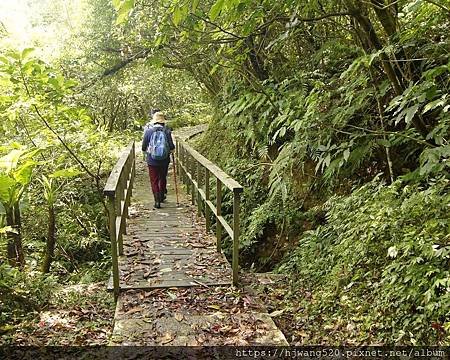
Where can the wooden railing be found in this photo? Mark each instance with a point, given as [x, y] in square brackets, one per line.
[118, 191]
[195, 172]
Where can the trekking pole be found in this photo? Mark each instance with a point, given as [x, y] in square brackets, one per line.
[175, 177]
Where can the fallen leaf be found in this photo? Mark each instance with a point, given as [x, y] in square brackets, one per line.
[172, 296]
[192, 342]
[276, 313]
[151, 273]
[134, 310]
[167, 338]
[179, 316]
[201, 339]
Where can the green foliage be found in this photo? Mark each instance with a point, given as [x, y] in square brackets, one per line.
[387, 246]
[309, 111]
[63, 163]
[124, 8]
[15, 174]
[22, 293]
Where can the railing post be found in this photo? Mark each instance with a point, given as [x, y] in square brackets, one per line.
[125, 207]
[123, 213]
[219, 213]
[183, 163]
[118, 211]
[192, 171]
[199, 185]
[236, 230]
[177, 156]
[112, 234]
[207, 195]
[133, 168]
[185, 177]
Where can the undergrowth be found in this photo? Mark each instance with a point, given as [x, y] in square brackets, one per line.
[379, 265]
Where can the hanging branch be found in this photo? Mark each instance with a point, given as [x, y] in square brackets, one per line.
[47, 125]
[63, 143]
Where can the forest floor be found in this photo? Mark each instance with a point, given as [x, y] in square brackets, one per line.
[76, 315]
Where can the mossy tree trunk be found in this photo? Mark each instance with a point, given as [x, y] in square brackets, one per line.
[14, 248]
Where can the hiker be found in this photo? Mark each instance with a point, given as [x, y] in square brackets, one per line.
[156, 146]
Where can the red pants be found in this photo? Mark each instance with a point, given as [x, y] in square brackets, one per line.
[158, 178]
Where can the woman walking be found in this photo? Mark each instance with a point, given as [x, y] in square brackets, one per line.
[157, 145]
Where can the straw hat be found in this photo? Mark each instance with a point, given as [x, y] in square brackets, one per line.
[159, 117]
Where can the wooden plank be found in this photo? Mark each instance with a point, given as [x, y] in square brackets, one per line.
[202, 195]
[166, 283]
[172, 251]
[172, 283]
[165, 238]
[169, 228]
[227, 180]
[155, 222]
[167, 213]
[225, 225]
[212, 207]
[194, 132]
[162, 225]
[153, 218]
[114, 178]
[172, 235]
[114, 257]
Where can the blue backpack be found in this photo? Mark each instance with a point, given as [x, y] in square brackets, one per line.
[158, 147]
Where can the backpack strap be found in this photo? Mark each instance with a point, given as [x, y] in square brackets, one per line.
[158, 127]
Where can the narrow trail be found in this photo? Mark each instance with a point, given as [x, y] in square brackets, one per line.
[176, 288]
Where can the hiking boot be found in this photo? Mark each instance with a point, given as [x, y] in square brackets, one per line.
[157, 201]
[161, 197]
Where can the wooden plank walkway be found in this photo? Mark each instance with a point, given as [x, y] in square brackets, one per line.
[167, 247]
[175, 287]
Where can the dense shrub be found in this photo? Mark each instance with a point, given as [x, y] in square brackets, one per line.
[381, 262]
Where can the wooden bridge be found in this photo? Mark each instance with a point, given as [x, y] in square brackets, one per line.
[172, 283]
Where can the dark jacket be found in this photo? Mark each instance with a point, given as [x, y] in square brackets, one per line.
[146, 140]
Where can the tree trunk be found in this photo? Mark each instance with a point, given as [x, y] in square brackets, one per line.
[257, 64]
[51, 240]
[370, 33]
[387, 15]
[14, 248]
